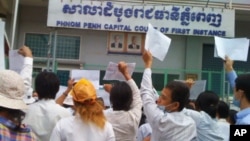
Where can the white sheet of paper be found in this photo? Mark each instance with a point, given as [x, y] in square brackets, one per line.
[198, 87]
[91, 75]
[112, 72]
[102, 93]
[15, 61]
[2, 59]
[157, 43]
[60, 91]
[235, 49]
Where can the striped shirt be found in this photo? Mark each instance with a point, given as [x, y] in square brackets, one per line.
[9, 133]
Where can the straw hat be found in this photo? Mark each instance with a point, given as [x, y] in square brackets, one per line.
[11, 90]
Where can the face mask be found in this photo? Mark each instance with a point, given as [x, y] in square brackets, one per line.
[162, 108]
[236, 102]
[166, 107]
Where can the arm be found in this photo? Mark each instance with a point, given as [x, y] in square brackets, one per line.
[152, 113]
[26, 73]
[137, 103]
[61, 99]
[230, 73]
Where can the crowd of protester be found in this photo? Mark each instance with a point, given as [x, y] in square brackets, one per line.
[136, 114]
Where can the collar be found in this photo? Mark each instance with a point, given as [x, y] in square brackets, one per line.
[11, 125]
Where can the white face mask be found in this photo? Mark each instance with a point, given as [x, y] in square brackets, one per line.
[164, 108]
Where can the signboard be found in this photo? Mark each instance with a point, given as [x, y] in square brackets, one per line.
[128, 17]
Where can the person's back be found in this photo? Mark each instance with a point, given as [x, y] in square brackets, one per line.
[126, 104]
[43, 115]
[222, 115]
[11, 105]
[173, 124]
[205, 117]
[89, 123]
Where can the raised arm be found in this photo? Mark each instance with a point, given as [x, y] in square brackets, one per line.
[137, 102]
[149, 105]
[61, 99]
[26, 73]
[230, 73]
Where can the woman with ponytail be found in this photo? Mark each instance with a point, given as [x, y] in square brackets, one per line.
[89, 122]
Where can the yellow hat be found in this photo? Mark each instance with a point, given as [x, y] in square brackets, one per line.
[83, 90]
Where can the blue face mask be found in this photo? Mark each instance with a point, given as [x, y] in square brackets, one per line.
[164, 108]
[161, 107]
[236, 102]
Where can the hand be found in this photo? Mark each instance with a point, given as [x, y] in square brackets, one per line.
[25, 51]
[107, 87]
[228, 64]
[123, 68]
[147, 58]
[189, 82]
[70, 83]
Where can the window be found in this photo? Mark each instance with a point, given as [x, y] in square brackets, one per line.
[68, 47]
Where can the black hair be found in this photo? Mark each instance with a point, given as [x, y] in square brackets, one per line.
[207, 101]
[47, 85]
[242, 83]
[223, 109]
[231, 117]
[121, 96]
[16, 115]
[143, 118]
[179, 93]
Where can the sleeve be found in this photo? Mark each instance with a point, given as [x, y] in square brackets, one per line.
[152, 112]
[144, 131]
[26, 74]
[195, 115]
[137, 102]
[231, 76]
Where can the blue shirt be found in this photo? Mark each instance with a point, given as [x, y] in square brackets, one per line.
[243, 117]
[231, 76]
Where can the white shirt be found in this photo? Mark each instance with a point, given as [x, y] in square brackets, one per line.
[174, 126]
[207, 128]
[224, 127]
[74, 129]
[26, 74]
[42, 117]
[144, 131]
[126, 123]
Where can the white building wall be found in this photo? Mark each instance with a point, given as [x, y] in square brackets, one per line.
[94, 43]
[185, 51]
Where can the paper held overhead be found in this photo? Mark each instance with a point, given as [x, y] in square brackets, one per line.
[234, 48]
[112, 72]
[91, 75]
[197, 87]
[157, 43]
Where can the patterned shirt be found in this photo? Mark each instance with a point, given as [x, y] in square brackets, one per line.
[8, 132]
